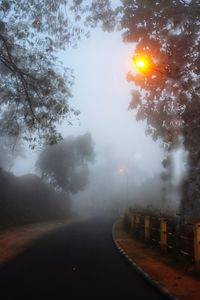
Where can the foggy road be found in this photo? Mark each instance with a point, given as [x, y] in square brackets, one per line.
[73, 262]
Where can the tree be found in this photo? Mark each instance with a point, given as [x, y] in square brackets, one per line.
[167, 32]
[26, 199]
[167, 97]
[65, 165]
[34, 86]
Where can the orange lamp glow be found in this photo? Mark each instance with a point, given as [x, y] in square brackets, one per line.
[142, 63]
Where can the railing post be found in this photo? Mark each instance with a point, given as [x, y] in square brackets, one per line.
[147, 228]
[197, 243]
[137, 231]
[163, 234]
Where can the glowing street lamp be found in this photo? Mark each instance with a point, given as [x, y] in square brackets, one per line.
[145, 65]
[142, 63]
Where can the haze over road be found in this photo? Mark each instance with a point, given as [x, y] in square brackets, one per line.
[77, 261]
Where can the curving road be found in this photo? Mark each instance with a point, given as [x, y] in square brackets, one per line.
[78, 261]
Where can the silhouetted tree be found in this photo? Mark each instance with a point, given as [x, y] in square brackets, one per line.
[65, 165]
[26, 199]
[167, 96]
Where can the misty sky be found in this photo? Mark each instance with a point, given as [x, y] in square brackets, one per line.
[102, 94]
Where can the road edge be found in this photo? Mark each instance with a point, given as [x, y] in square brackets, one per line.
[163, 290]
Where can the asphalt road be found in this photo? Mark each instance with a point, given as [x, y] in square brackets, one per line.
[78, 261]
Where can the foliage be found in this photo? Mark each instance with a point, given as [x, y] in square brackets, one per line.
[34, 86]
[102, 12]
[65, 165]
[168, 33]
[167, 97]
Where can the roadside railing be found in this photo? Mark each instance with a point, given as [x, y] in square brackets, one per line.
[181, 241]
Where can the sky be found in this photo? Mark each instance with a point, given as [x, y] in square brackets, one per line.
[102, 94]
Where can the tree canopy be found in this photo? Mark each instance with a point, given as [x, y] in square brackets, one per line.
[65, 165]
[167, 97]
[34, 86]
[168, 32]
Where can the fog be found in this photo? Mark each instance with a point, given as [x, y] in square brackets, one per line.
[102, 94]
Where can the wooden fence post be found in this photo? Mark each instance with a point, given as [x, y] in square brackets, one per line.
[197, 244]
[163, 234]
[147, 228]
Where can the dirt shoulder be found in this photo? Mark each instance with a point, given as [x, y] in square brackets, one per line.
[14, 241]
[177, 281]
